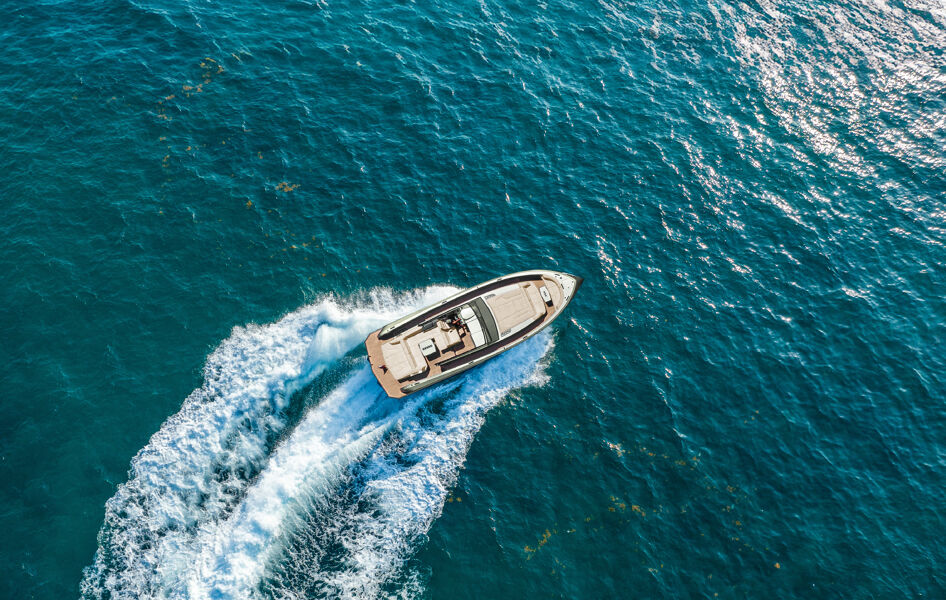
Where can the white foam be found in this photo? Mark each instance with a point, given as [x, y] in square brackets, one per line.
[229, 557]
[196, 467]
[404, 482]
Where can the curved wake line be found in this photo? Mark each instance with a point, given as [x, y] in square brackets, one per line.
[196, 468]
[397, 458]
[406, 483]
[232, 555]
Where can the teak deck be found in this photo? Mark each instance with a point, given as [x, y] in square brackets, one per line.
[391, 385]
[452, 361]
[462, 354]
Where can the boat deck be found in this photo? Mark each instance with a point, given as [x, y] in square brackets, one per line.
[391, 385]
[505, 343]
[449, 359]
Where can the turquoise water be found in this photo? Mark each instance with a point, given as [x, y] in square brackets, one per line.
[206, 208]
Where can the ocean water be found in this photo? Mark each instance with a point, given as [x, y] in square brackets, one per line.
[207, 206]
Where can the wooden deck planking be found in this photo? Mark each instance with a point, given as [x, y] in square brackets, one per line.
[392, 386]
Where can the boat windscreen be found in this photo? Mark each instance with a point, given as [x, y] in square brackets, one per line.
[486, 319]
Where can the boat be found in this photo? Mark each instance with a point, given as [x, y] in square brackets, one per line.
[467, 329]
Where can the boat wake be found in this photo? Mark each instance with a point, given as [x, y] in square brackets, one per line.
[232, 499]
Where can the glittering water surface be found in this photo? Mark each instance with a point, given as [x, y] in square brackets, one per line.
[207, 207]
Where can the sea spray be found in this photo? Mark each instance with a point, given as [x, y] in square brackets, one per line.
[232, 555]
[388, 500]
[196, 467]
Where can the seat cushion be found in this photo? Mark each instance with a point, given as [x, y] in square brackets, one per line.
[446, 339]
[399, 360]
[515, 306]
[453, 338]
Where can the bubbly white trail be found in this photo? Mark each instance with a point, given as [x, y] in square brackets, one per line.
[196, 468]
[231, 556]
[405, 480]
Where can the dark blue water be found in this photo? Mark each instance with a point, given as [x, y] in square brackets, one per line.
[206, 207]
